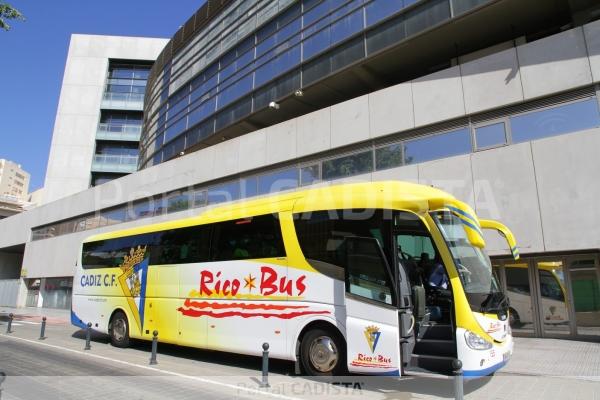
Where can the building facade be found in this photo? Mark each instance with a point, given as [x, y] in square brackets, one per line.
[495, 102]
[99, 117]
[14, 181]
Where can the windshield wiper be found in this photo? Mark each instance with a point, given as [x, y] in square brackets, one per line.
[496, 301]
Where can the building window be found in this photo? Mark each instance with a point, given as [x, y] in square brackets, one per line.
[388, 156]
[565, 118]
[491, 135]
[309, 175]
[437, 146]
[278, 181]
[354, 164]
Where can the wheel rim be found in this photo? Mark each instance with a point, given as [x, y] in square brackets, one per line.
[323, 354]
[119, 329]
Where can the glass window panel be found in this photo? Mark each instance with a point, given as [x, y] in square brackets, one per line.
[309, 175]
[278, 181]
[206, 109]
[222, 193]
[388, 156]
[200, 198]
[254, 237]
[490, 135]
[347, 26]
[554, 121]
[461, 6]
[316, 43]
[115, 216]
[437, 146]
[235, 91]
[378, 10]
[348, 53]
[175, 129]
[426, 16]
[315, 13]
[347, 166]
[140, 210]
[178, 202]
[249, 187]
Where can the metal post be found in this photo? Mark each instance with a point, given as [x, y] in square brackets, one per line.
[265, 366]
[43, 329]
[2, 379]
[154, 348]
[88, 336]
[10, 320]
[458, 379]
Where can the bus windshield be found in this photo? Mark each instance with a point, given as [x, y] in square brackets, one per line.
[473, 265]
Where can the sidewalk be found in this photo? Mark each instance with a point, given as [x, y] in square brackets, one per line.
[35, 314]
[544, 369]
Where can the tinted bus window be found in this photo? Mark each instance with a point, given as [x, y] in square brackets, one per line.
[321, 234]
[110, 253]
[254, 237]
[181, 246]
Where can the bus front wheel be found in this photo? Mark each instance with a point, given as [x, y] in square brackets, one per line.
[514, 320]
[322, 353]
[119, 330]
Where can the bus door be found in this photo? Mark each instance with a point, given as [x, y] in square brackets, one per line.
[372, 328]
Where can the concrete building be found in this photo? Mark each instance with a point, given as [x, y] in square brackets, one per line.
[99, 116]
[493, 101]
[14, 181]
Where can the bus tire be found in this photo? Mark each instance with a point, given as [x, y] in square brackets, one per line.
[119, 330]
[323, 352]
[514, 320]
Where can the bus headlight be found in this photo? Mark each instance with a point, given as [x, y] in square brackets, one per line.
[476, 342]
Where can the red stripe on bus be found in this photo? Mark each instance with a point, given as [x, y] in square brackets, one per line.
[245, 306]
[227, 314]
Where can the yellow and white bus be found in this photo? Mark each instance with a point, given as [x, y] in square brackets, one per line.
[362, 278]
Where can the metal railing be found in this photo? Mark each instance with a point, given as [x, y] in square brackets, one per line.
[114, 163]
[119, 132]
[123, 101]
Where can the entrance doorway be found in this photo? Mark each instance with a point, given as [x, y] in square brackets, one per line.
[553, 296]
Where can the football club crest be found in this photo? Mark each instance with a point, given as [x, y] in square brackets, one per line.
[372, 335]
[133, 282]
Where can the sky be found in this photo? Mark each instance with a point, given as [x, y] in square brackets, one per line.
[33, 55]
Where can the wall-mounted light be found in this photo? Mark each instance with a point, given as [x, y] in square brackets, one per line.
[274, 105]
[299, 93]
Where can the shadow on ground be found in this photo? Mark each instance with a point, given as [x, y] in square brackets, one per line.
[439, 386]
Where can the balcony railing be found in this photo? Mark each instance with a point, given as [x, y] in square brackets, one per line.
[119, 132]
[114, 163]
[123, 101]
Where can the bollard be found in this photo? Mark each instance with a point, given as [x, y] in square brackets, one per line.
[154, 348]
[2, 379]
[265, 366]
[10, 319]
[458, 379]
[43, 329]
[88, 336]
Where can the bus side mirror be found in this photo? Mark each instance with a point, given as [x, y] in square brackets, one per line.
[504, 231]
[419, 300]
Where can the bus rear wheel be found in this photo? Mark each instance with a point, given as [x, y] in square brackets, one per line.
[322, 353]
[119, 330]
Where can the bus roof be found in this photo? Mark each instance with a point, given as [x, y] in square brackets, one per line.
[387, 195]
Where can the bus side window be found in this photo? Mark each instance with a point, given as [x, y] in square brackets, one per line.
[247, 238]
[367, 270]
[181, 246]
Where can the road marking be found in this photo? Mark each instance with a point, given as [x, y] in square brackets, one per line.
[195, 378]
[26, 322]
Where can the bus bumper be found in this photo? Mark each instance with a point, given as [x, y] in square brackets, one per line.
[478, 363]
